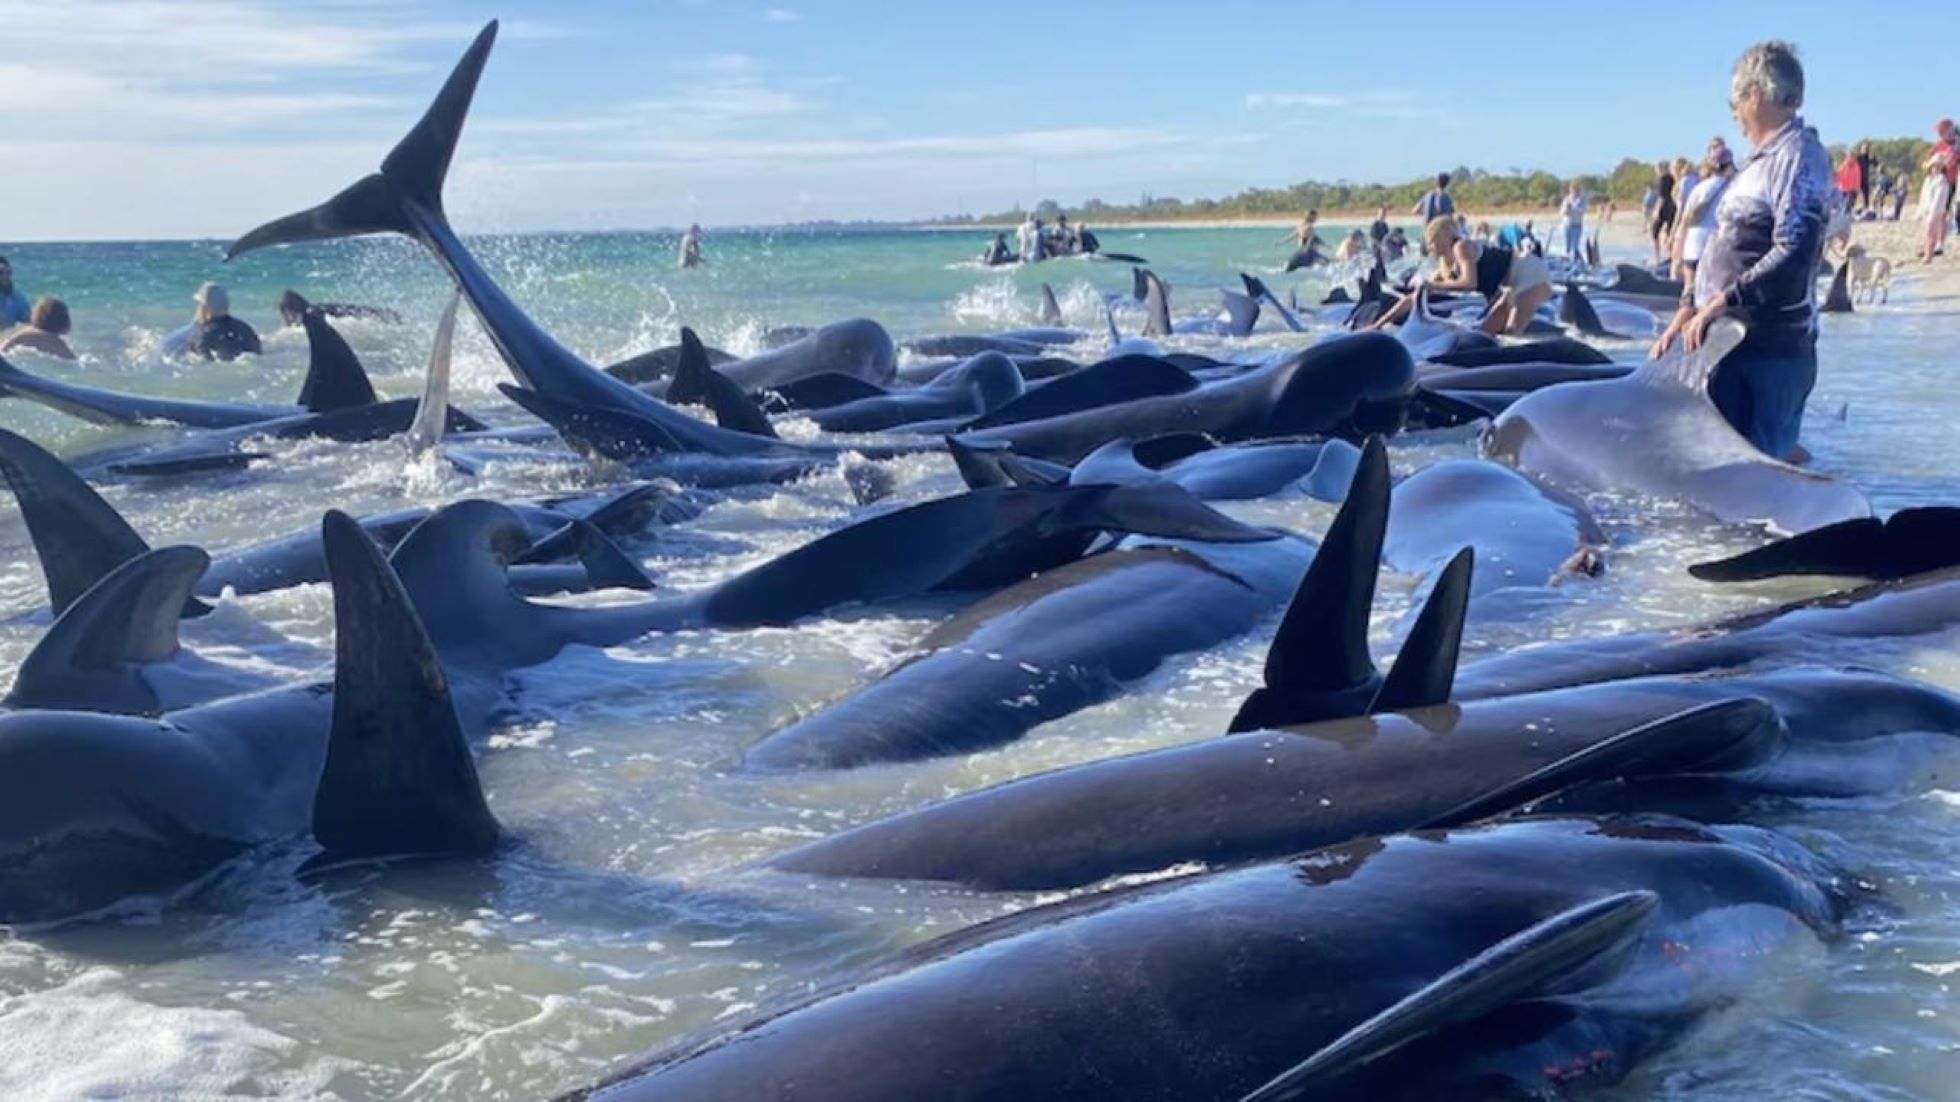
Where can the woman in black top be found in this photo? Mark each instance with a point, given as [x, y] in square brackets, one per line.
[1515, 283]
[1664, 209]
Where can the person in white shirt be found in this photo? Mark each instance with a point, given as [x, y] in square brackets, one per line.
[1028, 237]
[1572, 219]
[1698, 211]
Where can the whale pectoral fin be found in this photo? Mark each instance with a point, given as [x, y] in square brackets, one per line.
[1159, 452]
[979, 469]
[335, 378]
[1425, 669]
[691, 369]
[432, 412]
[1535, 962]
[1025, 470]
[127, 619]
[1156, 508]
[733, 408]
[78, 536]
[606, 566]
[596, 432]
[1727, 734]
[189, 461]
[398, 778]
[1319, 656]
[824, 390]
[1851, 548]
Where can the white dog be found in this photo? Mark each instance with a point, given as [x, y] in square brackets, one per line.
[1871, 276]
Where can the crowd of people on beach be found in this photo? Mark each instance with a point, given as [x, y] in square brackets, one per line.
[1035, 241]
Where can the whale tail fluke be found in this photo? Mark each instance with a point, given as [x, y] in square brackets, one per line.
[398, 780]
[1535, 963]
[1318, 666]
[412, 173]
[91, 659]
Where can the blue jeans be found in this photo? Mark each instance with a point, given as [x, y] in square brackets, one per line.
[1763, 394]
[1575, 236]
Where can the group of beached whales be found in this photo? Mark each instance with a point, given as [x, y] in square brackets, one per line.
[1525, 875]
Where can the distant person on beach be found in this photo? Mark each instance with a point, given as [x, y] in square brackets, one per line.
[690, 251]
[216, 335]
[997, 253]
[13, 304]
[45, 332]
[1685, 179]
[1353, 247]
[1866, 165]
[1850, 178]
[1946, 148]
[1515, 283]
[1649, 200]
[1761, 263]
[1664, 209]
[1934, 196]
[1572, 220]
[1436, 202]
[1612, 208]
[1698, 210]
[1378, 229]
[1066, 242]
[1086, 241]
[1307, 233]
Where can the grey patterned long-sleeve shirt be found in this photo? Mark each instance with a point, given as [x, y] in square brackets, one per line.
[1769, 237]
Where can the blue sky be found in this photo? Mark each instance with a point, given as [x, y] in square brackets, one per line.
[172, 118]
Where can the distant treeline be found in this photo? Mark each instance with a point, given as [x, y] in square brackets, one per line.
[1472, 188]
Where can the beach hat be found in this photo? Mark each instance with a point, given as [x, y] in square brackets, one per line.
[212, 297]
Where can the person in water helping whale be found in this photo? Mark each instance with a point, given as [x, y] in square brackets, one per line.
[1761, 263]
[1516, 282]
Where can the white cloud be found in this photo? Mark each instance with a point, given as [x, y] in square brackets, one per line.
[780, 15]
[1375, 104]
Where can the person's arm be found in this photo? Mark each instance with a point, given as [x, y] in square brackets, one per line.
[1463, 274]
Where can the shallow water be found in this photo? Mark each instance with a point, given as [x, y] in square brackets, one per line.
[625, 915]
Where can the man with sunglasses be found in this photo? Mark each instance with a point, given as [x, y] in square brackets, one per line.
[1761, 263]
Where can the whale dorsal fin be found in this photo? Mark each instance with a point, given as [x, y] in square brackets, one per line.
[1531, 963]
[978, 468]
[1576, 310]
[733, 408]
[1156, 305]
[335, 378]
[398, 778]
[1241, 312]
[432, 413]
[87, 661]
[1051, 311]
[1318, 666]
[1425, 669]
[1838, 299]
[78, 537]
[690, 382]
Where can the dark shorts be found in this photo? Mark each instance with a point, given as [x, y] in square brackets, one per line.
[1762, 394]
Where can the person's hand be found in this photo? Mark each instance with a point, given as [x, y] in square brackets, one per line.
[1696, 332]
[1666, 340]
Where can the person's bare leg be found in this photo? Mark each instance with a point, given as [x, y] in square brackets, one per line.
[1523, 306]
[1497, 320]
